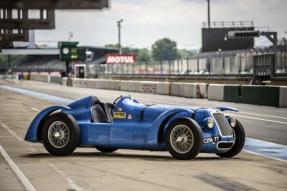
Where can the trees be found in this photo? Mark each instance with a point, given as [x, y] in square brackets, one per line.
[184, 53]
[144, 55]
[164, 49]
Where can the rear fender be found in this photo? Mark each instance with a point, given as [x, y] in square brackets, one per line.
[33, 130]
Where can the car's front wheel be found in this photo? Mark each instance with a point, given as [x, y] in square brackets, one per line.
[238, 144]
[184, 139]
[60, 134]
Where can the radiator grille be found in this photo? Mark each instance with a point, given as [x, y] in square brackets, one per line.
[223, 124]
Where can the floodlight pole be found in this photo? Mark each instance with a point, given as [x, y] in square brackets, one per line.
[119, 35]
[70, 36]
[208, 13]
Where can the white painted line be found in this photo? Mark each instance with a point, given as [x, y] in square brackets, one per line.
[11, 132]
[35, 109]
[36, 94]
[254, 153]
[7, 136]
[273, 144]
[260, 119]
[24, 180]
[266, 149]
[71, 183]
[276, 109]
[270, 116]
[15, 135]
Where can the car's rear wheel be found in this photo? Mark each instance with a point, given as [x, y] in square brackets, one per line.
[105, 149]
[184, 139]
[60, 134]
[239, 142]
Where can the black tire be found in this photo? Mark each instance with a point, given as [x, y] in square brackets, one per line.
[105, 150]
[239, 142]
[73, 134]
[194, 149]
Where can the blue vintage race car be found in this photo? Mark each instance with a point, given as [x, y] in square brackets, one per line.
[129, 124]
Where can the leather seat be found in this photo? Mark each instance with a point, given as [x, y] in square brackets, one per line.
[109, 109]
[101, 112]
[98, 114]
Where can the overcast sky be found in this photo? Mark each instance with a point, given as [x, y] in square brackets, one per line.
[145, 21]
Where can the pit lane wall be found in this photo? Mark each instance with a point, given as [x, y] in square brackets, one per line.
[251, 94]
[192, 90]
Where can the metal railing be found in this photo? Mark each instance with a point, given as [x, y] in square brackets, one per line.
[219, 24]
[220, 63]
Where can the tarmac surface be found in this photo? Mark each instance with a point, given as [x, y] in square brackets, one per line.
[88, 169]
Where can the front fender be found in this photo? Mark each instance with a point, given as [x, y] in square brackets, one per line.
[152, 137]
[32, 132]
[225, 108]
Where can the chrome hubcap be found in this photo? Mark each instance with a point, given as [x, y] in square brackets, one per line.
[181, 139]
[58, 134]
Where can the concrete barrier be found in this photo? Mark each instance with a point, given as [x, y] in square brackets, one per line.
[9, 77]
[96, 83]
[232, 93]
[81, 83]
[146, 87]
[177, 89]
[260, 95]
[128, 85]
[64, 81]
[192, 90]
[136, 86]
[108, 84]
[55, 79]
[201, 90]
[39, 77]
[163, 88]
[283, 96]
[216, 92]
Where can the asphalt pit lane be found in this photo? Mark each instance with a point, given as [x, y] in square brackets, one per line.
[224, 183]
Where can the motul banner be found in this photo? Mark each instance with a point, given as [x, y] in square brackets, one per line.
[120, 58]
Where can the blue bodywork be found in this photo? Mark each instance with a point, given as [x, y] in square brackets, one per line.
[138, 126]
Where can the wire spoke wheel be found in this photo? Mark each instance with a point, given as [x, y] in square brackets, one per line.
[181, 139]
[58, 134]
